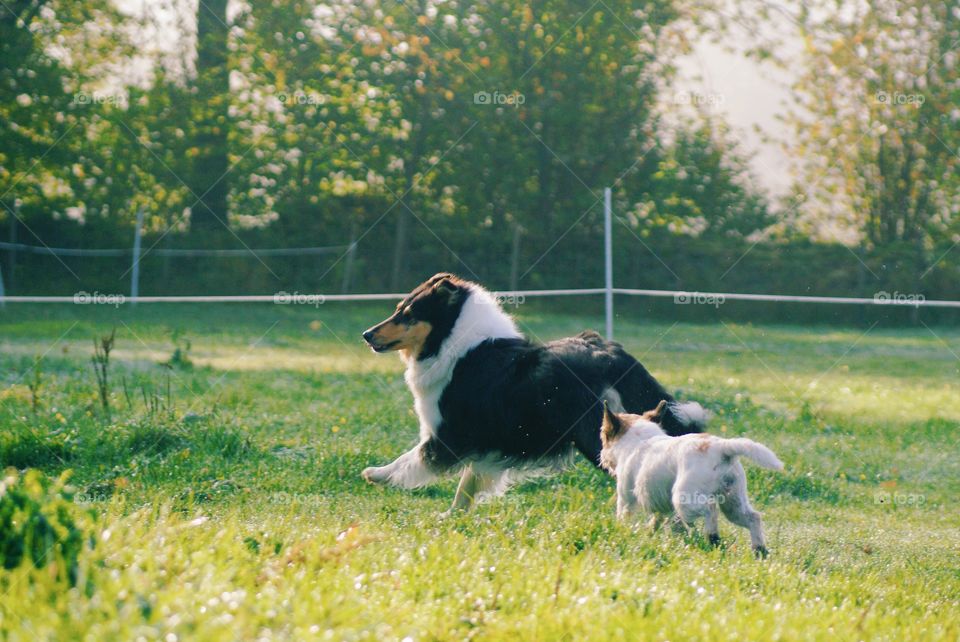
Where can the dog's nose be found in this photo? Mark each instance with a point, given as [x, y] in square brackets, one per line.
[368, 336]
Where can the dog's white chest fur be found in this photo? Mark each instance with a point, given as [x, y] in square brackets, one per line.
[480, 319]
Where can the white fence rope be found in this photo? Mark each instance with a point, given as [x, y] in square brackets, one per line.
[282, 297]
[682, 297]
[281, 251]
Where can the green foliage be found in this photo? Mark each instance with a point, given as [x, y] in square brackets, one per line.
[40, 524]
[361, 118]
[42, 120]
[27, 446]
[701, 188]
[180, 358]
[877, 124]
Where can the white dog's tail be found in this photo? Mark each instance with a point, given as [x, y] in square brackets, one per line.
[751, 450]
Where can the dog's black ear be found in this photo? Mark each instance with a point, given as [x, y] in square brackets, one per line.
[439, 276]
[656, 415]
[448, 287]
[612, 424]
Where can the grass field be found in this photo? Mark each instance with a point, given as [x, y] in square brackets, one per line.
[225, 497]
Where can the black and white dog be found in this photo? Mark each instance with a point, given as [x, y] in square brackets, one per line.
[497, 405]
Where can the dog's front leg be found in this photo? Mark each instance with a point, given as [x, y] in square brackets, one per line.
[626, 500]
[409, 470]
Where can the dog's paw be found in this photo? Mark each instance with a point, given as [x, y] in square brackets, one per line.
[760, 552]
[454, 511]
[372, 475]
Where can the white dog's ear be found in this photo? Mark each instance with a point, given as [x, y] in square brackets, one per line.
[657, 413]
[612, 424]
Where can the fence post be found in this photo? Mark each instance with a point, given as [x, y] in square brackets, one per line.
[135, 268]
[608, 260]
[348, 267]
[515, 257]
[12, 253]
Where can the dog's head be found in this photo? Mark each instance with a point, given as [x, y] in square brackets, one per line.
[617, 424]
[613, 426]
[423, 319]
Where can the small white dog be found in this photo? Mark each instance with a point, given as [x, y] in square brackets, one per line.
[690, 476]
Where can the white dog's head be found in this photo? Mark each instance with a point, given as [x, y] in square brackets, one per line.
[618, 425]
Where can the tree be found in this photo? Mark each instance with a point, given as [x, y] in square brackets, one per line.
[700, 185]
[41, 98]
[878, 124]
[51, 51]
[209, 123]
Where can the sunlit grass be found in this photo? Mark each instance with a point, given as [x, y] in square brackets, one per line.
[235, 509]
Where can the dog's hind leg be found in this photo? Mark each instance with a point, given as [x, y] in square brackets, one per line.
[467, 490]
[472, 484]
[690, 504]
[711, 524]
[738, 510]
[656, 521]
[409, 470]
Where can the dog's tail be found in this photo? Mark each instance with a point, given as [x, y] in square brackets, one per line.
[680, 418]
[640, 392]
[752, 450]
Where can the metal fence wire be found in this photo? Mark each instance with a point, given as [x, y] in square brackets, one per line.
[345, 257]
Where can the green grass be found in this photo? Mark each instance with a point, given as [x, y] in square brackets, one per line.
[233, 508]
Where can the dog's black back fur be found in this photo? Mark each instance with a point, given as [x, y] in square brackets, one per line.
[528, 402]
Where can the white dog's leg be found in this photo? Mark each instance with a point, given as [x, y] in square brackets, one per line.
[626, 500]
[656, 521]
[711, 524]
[738, 510]
[406, 471]
[689, 503]
[750, 519]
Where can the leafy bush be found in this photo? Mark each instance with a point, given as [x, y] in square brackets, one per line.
[40, 523]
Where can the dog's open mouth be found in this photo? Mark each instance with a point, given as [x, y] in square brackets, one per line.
[377, 347]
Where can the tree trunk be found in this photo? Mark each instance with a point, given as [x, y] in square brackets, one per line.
[211, 95]
[12, 252]
[398, 275]
[399, 249]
